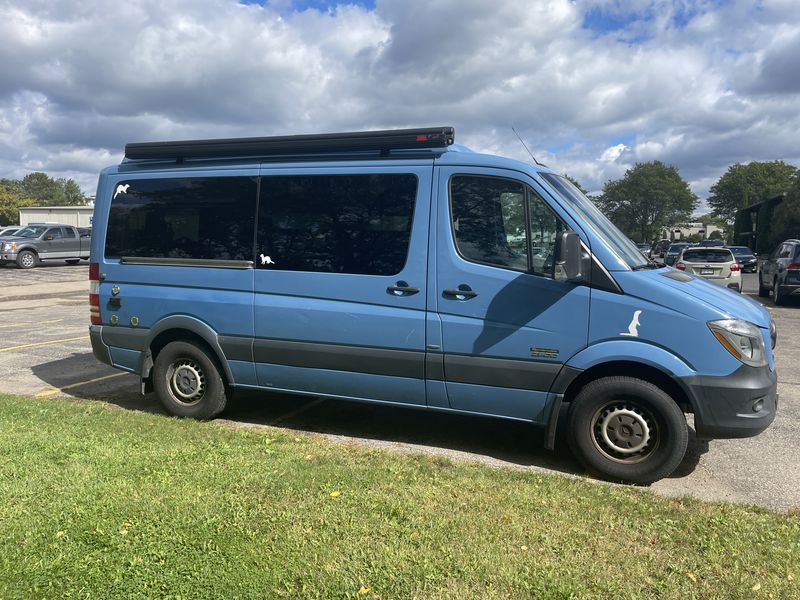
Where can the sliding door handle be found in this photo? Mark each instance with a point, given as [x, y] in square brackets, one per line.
[402, 289]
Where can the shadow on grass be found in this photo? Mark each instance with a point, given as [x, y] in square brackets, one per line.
[508, 441]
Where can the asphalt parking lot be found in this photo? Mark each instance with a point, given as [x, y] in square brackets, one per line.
[45, 351]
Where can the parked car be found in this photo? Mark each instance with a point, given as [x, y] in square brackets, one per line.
[376, 267]
[9, 231]
[748, 262]
[41, 242]
[661, 248]
[712, 243]
[780, 273]
[644, 249]
[718, 265]
[674, 251]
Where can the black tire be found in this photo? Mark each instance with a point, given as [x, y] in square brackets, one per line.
[763, 292]
[777, 297]
[27, 259]
[646, 425]
[73, 261]
[188, 382]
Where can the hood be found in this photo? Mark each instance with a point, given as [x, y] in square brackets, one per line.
[670, 287]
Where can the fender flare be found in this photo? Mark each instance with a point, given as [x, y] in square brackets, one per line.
[195, 326]
[609, 351]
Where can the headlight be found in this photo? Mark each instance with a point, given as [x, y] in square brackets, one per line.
[9, 247]
[742, 339]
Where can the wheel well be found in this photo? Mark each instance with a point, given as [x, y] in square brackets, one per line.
[631, 369]
[184, 335]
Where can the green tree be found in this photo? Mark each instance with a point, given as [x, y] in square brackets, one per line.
[43, 189]
[743, 185]
[73, 196]
[10, 202]
[649, 197]
[46, 191]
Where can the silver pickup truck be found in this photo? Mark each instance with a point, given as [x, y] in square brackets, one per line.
[46, 241]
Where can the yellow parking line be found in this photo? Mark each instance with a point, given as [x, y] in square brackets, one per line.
[37, 323]
[298, 411]
[80, 383]
[75, 339]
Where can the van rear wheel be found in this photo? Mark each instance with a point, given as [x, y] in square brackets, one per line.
[188, 382]
[627, 429]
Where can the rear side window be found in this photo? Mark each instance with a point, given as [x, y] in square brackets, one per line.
[358, 224]
[708, 256]
[68, 232]
[208, 218]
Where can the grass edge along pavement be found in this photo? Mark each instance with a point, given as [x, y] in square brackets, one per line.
[97, 501]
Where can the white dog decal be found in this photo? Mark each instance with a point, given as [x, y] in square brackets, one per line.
[266, 260]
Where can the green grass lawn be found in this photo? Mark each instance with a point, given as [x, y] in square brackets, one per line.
[101, 502]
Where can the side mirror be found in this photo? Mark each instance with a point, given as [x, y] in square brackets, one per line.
[568, 255]
[47, 238]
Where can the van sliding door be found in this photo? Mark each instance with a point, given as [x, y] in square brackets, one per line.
[340, 280]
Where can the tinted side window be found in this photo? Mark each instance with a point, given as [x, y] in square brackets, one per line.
[200, 218]
[358, 224]
[786, 251]
[68, 232]
[54, 232]
[489, 220]
[502, 223]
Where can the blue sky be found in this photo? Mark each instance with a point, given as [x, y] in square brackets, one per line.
[592, 86]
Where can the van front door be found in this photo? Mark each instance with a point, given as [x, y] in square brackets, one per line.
[340, 281]
[509, 319]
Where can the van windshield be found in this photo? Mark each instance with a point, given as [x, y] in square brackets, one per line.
[599, 223]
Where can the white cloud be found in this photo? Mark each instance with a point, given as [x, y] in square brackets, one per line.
[694, 83]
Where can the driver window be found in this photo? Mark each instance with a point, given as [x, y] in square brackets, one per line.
[503, 223]
[55, 232]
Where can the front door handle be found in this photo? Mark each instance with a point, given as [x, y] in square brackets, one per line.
[401, 288]
[460, 294]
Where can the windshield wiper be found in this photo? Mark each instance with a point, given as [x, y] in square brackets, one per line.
[649, 265]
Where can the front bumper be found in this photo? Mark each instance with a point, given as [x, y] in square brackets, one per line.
[742, 404]
[8, 256]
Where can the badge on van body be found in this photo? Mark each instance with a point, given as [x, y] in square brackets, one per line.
[266, 260]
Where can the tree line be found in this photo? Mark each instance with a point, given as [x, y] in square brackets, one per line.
[652, 196]
[37, 189]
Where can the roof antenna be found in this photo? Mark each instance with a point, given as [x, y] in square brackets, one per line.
[526, 148]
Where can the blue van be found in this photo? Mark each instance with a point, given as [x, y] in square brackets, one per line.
[398, 268]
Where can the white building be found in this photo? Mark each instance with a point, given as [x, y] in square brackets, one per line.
[78, 216]
[683, 230]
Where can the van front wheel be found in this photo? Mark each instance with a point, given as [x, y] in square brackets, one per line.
[627, 429]
[187, 381]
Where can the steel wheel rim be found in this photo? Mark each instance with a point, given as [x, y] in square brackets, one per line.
[186, 382]
[625, 432]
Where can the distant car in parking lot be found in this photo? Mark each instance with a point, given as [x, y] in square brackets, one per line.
[9, 231]
[644, 249]
[715, 264]
[674, 251]
[748, 262]
[780, 273]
